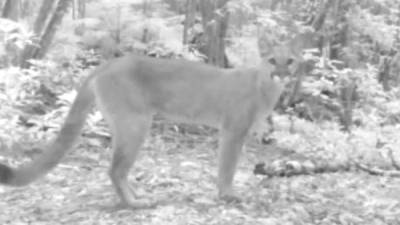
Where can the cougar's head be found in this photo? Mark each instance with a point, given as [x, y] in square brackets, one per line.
[282, 62]
[283, 58]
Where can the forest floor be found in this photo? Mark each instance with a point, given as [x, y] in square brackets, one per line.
[182, 170]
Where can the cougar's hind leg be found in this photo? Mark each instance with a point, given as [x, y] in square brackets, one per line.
[129, 123]
[127, 139]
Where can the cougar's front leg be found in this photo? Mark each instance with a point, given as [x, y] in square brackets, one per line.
[230, 147]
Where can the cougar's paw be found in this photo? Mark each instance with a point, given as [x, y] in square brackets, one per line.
[230, 197]
[139, 204]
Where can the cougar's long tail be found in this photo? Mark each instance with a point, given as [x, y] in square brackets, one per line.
[65, 140]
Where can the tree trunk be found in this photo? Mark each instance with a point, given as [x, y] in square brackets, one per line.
[26, 8]
[45, 30]
[11, 10]
[51, 28]
[189, 19]
[38, 27]
[308, 40]
[384, 72]
[215, 24]
[42, 17]
[146, 5]
[348, 97]
[81, 9]
[319, 19]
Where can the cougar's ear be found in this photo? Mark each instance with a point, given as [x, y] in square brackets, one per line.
[266, 47]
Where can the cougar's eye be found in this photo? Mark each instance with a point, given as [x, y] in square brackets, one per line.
[289, 61]
[272, 61]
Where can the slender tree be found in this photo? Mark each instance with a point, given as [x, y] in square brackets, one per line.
[11, 10]
[81, 8]
[215, 23]
[38, 27]
[51, 28]
[45, 27]
[43, 15]
[189, 18]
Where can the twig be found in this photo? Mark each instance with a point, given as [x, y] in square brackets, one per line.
[378, 172]
[395, 164]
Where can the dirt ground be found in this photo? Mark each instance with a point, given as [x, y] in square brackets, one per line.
[79, 191]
